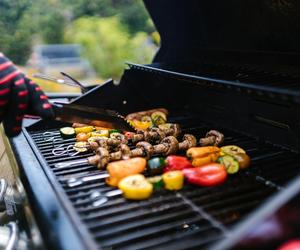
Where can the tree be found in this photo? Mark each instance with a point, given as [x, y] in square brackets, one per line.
[108, 44]
[15, 39]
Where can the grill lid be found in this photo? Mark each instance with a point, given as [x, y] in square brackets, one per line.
[195, 29]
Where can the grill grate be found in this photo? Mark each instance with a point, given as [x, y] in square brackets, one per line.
[189, 219]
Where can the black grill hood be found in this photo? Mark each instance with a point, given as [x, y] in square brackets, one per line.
[195, 29]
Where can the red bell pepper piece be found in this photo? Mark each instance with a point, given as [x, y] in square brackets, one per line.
[208, 175]
[175, 162]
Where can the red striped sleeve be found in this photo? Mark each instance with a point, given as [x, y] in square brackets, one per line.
[23, 93]
[20, 82]
[3, 102]
[4, 91]
[47, 106]
[22, 106]
[9, 77]
[5, 65]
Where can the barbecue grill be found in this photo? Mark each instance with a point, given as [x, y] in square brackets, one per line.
[209, 73]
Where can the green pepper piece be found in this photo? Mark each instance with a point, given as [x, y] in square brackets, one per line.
[230, 164]
[114, 131]
[156, 181]
[156, 165]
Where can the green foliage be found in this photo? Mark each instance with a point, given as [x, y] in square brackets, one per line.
[15, 33]
[108, 45]
[111, 31]
[132, 13]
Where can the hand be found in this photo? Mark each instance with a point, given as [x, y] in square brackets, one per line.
[19, 96]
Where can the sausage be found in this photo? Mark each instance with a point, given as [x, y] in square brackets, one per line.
[139, 115]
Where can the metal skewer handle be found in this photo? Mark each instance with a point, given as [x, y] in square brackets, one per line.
[74, 182]
[74, 163]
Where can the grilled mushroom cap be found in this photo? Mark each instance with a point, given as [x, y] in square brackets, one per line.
[104, 157]
[139, 136]
[125, 150]
[147, 148]
[213, 138]
[171, 143]
[188, 142]
[93, 160]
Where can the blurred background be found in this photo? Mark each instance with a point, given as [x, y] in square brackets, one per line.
[89, 39]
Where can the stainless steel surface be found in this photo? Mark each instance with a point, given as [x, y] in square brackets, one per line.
[13, 237]
[3, 187]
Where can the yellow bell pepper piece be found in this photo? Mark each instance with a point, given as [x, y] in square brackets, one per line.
[86, 129]
[135, 187]
[173, 180]
[103, 133]
[141, 125]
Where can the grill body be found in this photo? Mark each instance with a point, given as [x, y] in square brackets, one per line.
[193, 218]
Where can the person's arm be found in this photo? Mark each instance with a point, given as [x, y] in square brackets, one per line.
[19, 96]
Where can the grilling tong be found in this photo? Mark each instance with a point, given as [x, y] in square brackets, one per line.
[71, 113]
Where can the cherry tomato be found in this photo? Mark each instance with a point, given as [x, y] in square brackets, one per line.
[208, 175]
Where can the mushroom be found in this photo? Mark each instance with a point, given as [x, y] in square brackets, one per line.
[104, 157]
[168, 145]
[188, 142]
[212, 138]
[146, 147]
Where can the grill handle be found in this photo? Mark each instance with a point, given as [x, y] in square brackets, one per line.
[74, 163]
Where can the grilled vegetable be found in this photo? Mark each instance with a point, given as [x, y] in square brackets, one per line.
[242, 159]
[197, 152]
[173, 180]
[158, 118]
[208, 175]
[82, 137]
[139, 115]
[103, 133]
[86, 129]
[146, 118]
[114, 131]
[156, 181]
[230, 164]
[156, 165]
[118, 136]
[203, 155]
[232, 150]
[80, 146]
[93, 139]
[129, 135]
[136, 187]
[141, 125]
[175, 162]
[120, 169]
[67, 132]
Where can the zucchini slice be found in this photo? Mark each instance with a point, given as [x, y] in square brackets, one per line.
[67, 132]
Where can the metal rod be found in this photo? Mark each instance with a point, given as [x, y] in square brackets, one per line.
[74, 163]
